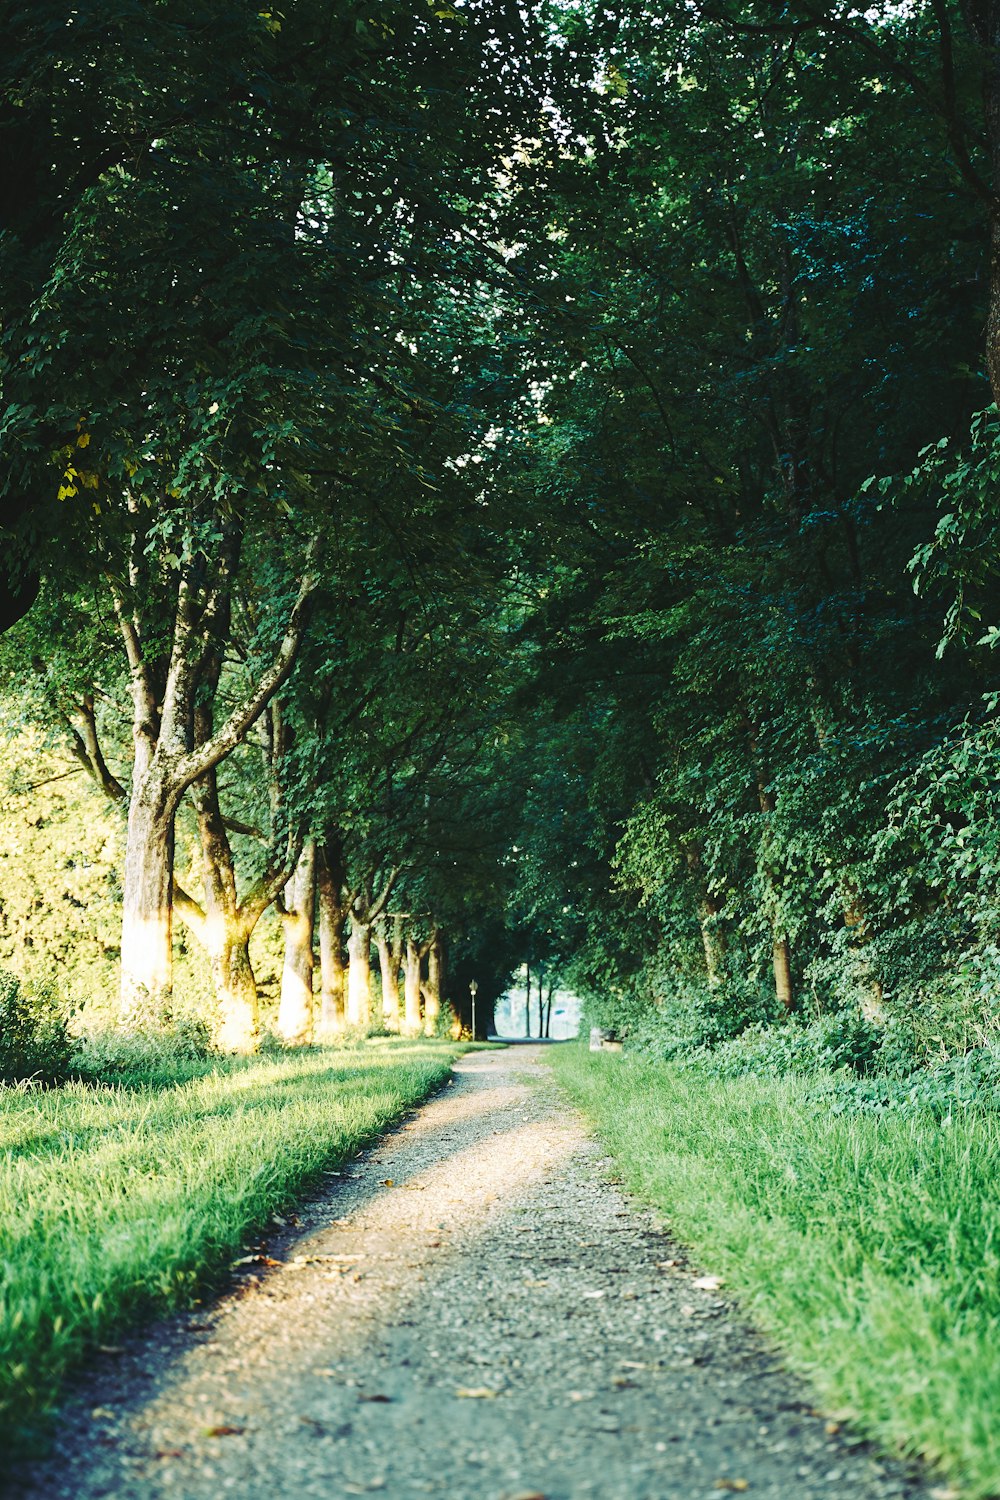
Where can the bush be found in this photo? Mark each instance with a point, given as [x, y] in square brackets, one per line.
[686, 1017]
[35, 1043]
[152, 1056]
[843, 1040]
[944, 1089]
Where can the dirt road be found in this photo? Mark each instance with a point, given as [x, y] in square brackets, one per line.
[475, 1311]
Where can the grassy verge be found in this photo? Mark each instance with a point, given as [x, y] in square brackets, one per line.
[119, 1202]
[870, 1247]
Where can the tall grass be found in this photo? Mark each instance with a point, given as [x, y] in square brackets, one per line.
[118, 1202]
[869, 1246]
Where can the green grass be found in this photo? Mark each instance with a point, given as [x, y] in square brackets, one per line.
[117, 1203]
[868, 1246]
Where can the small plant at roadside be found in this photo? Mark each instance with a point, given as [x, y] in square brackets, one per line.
[35, 1044]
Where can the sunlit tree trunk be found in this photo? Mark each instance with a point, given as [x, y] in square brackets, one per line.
[172, 689]
[295, 1007]
[359, 973]
[332, 919]
[389, 942]
[411, 988]
[147, 902]
[433, 987]
[365, 910]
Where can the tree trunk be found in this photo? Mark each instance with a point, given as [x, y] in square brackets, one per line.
[782, 955]
[359, 974]
[527, 1000]
[712, 941]
[432, 990]
[147, 906]
[238, 1024]
[781, 950]
[295, 1008]
[411, 989]
[548, 1007]
[332, 916]
[388, 958]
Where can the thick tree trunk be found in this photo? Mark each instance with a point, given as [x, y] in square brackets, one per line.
[224, 929]
[388, 958]
[359, 974]
[332, 917]
[295, 1007]
[411, 989]
[147, 907]
[434, 985]
[238, 1024]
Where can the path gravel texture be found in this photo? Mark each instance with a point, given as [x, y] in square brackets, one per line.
[474, 1310]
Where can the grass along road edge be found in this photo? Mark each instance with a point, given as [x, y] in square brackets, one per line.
[869, 1247]
[118, 1204]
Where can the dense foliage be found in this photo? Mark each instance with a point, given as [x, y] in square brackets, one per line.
[509, 488]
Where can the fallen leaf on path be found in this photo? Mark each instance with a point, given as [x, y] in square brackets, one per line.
[666, 1265]
[169, 1453]
[633, 1364]
[593, 1294]
[256, 1260]
[622, 1383]
[739, 1485]
[376, 1396]
[388, 1182]
[831, 1429]
[707, 1283]
[529, 1282]
[222, 1431]
[475, 1392]
[100, 1413]
[110, 1349]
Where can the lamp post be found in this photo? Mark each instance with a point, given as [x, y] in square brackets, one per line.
[473, 991]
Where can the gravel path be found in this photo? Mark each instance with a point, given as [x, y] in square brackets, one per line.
[475, 1311]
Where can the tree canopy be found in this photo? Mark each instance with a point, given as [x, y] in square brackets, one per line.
[512, 486]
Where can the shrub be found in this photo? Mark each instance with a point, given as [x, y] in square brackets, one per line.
[35, 1043]
[113, 1055]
